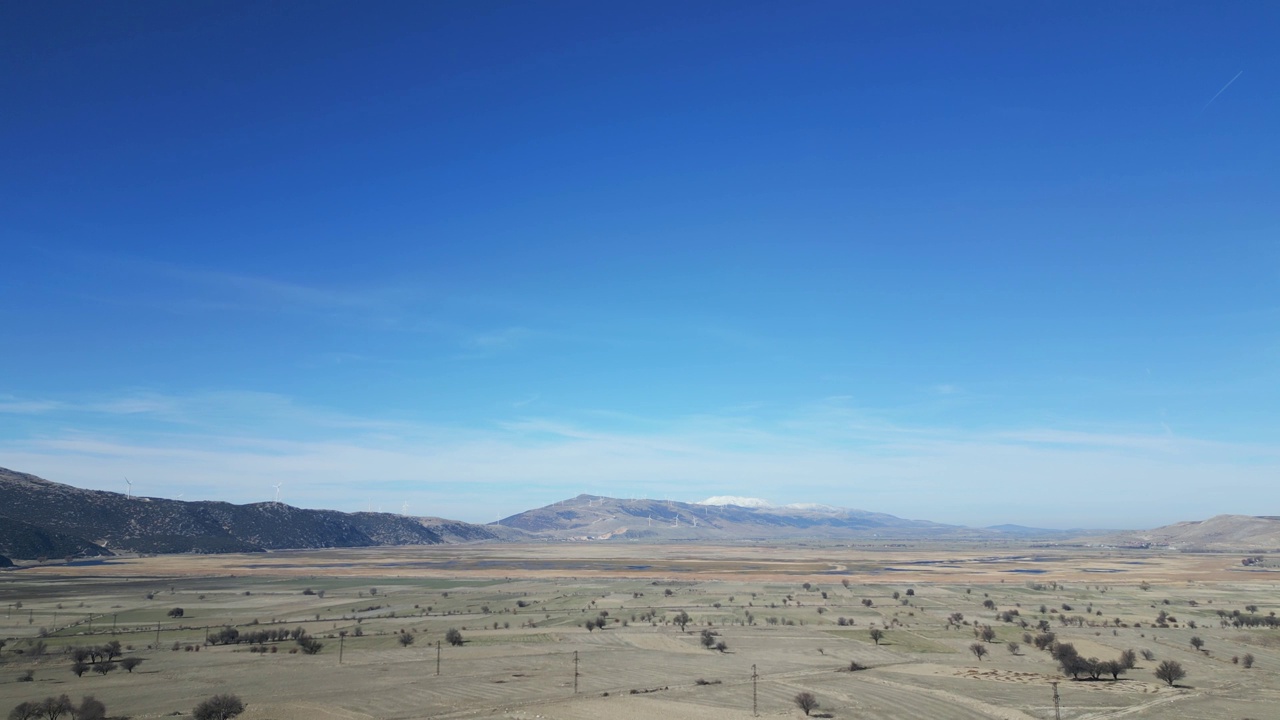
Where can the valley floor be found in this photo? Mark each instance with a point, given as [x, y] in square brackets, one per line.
[795, 615]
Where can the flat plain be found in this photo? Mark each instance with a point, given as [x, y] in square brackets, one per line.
[792, 618]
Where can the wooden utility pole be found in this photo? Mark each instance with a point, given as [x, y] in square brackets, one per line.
[754, 678]
[90, 623]
[157, 635]
[113, 627]
[1057, 710]
[437, 657]
[575, 672]
[341, 638]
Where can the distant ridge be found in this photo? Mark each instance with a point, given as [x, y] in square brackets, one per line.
[1222, 532]
[39, 518]
[595, 517]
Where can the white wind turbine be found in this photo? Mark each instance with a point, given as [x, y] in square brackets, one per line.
[129, 492]
[277, 487]
[404, 509]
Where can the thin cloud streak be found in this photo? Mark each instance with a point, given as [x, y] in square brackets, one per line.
[1224, 89]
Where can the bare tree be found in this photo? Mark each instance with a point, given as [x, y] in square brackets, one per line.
[978, 650]
[25, 711]
[54, 708]
[1170, 671]
[80, 667]
[876, 634]
[806, 702]
[405, 639]
[218, 707]
[309, 645]
[1197, 642]
[91, 709]
[453, 637]
[1114, 668]
[1013, 647]
[102, 669]
[1247, 660]
[130, 663]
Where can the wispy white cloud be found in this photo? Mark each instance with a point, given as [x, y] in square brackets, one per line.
[821, 454]
[16, 406]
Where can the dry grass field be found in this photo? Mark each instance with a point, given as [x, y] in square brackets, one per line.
[797, 614]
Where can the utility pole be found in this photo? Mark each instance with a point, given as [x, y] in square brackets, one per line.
[754, 677]
[1057, 710]
[341, 638]
[90, 623]
[113, 627]
[157, 635]
[437, 658]
[575, 672]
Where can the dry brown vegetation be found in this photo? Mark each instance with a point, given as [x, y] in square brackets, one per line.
[799, 614]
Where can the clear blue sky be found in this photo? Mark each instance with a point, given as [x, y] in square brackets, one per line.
[968, 262]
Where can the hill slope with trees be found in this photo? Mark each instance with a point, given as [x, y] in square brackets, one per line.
[39, 518]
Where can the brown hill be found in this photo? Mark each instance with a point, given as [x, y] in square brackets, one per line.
[1243, 533]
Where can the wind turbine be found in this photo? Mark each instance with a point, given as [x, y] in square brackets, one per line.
[128, 493]
[277, 487]
[404, 509]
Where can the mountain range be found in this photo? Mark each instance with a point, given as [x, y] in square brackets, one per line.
[43, 519]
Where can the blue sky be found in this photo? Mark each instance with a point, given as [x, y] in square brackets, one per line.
[968, 262]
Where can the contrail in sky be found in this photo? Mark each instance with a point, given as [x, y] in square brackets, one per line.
[1224, 89]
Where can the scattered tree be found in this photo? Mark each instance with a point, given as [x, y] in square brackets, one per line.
[1013, 647]
[1196, 642]
[1129, 659]
[681, 619]
[130, 663]
[79, 667]
[54, 708]
[708, 639]
[218, 707]
[978, 650]
[806, 702]
[25, 711]
[1114, 668]
[453, 637]
[405, 639]
[1170, 671]
[91, 709]
[876, 634]
[309, 645]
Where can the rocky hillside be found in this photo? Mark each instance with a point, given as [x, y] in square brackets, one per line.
[592, 517]
[39, 518]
